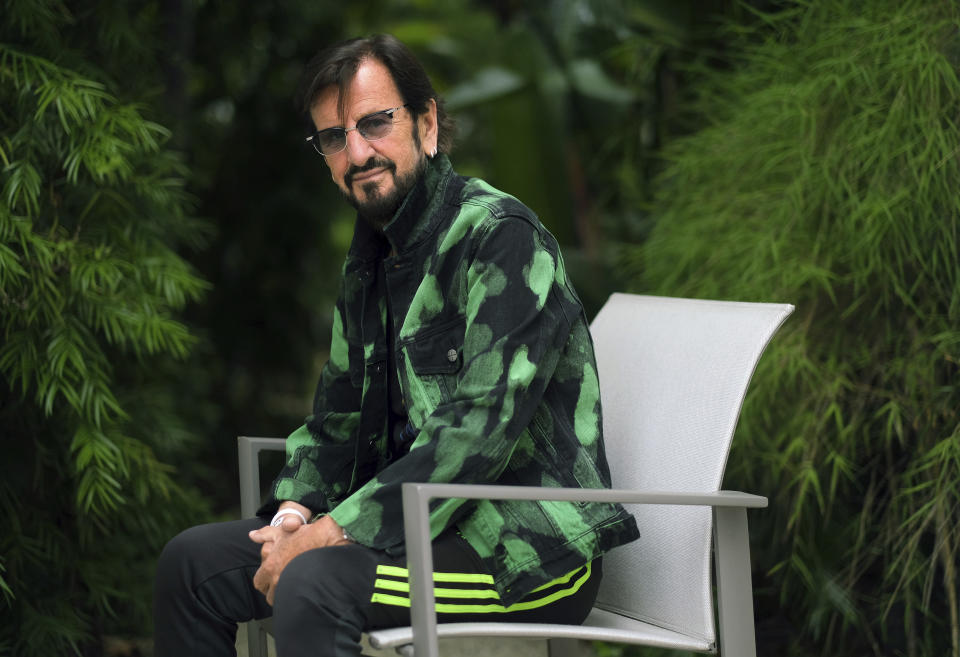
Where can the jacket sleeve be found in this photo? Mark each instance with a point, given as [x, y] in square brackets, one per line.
[519, 310]
[320, 454]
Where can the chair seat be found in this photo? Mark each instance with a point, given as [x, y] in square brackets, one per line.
[600, 625]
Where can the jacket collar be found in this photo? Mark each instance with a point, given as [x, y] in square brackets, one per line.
[416, 218]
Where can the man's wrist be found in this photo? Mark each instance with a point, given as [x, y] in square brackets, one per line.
[284, 512]
[336, 525]
[291, 515]
[308, 517]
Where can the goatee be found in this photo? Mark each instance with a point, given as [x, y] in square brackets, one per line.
[379, 208]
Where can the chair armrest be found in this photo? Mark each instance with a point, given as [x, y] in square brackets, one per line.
[416, 518]
[427, 492]
[248, 453]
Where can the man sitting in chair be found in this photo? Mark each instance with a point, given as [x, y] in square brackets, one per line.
[460, 353]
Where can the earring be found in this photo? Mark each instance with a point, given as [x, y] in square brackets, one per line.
[433, 153]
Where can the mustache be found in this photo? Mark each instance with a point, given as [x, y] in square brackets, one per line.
[372, 163]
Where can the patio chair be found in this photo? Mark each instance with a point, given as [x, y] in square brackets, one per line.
[673, 376]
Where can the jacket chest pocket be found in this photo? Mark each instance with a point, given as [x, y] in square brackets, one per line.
[434, 357]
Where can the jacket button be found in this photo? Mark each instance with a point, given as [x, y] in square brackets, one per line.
[452, 355]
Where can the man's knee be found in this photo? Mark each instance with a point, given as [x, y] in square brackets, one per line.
[323, 596]
[326, 581]
[177, 554]
[198, 552]
[182, 550]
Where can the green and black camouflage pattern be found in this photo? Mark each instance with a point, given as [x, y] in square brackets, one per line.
[497, 373]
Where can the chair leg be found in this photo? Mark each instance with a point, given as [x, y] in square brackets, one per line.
[256, 640]
[734, 588]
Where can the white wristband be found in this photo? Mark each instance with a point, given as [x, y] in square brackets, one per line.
[278, 518]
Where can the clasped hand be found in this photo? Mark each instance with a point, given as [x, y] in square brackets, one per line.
[279, 545]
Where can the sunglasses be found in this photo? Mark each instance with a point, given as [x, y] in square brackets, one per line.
[371, 127]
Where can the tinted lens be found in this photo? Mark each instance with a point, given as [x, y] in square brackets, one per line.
[331, 140]
[371, 127]
[375, 126]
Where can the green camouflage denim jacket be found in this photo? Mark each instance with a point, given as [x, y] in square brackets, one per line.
[497, 373]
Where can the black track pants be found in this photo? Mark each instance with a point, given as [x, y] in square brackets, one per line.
[327, 597]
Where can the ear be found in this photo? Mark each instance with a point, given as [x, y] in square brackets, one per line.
[429, 129]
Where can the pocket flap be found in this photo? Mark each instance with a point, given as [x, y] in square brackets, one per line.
[437, 348]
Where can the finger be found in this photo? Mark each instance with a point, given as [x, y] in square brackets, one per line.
[272, 585]
[260, 581]
[265, 534]
[291, 523]
[263, 582]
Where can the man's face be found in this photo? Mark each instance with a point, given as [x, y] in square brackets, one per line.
[375, 176]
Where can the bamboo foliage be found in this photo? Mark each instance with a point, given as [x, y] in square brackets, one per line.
[826, 175]
[92, 214]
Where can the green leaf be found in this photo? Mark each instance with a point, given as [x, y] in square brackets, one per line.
[486, 86]
[591, 80]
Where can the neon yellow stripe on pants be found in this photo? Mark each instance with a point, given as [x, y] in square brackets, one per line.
[404, 587]
[491, 608]
[466, 578]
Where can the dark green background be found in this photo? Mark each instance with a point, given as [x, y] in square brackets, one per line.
[802, 152]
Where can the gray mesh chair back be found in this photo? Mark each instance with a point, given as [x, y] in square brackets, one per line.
[673, 375]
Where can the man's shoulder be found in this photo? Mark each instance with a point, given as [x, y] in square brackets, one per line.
[485, 211]
[477, 192]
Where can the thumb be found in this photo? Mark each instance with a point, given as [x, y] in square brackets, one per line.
[291, 523]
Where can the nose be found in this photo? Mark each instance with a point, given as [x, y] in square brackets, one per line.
[358, 149]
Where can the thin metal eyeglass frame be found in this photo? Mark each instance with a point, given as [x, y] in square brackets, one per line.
[315, 142]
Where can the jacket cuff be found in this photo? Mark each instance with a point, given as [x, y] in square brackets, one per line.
[294, 491]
